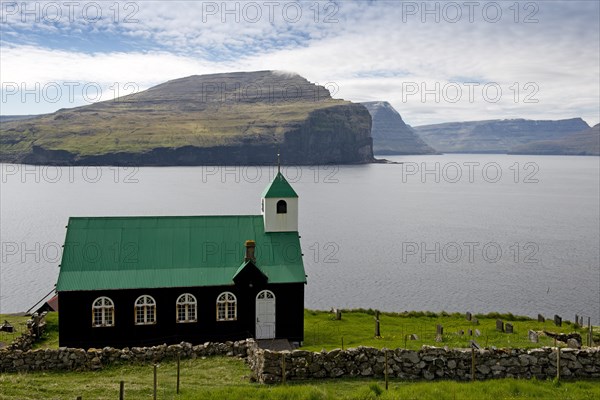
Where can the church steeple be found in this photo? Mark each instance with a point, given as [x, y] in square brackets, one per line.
[280, 205]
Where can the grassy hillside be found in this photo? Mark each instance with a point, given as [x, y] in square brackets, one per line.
[322, 331]
[207, 111]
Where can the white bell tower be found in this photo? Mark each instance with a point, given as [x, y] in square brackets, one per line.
[279, 206]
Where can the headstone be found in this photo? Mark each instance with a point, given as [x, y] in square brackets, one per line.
[475, 321]
[580, 321]
[576, 320]
[338, 314]
[477, 332]
[468, 316]
[508, 328]
[533, 336]
[557, 320]
[439, 330]
[470, 332]
[461, 332]
[414, 337]
[541, 318]
[438, 338]
[499, 325]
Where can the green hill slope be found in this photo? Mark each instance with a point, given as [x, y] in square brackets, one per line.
[232, 118]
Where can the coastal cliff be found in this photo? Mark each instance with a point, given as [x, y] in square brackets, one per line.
[230, 118]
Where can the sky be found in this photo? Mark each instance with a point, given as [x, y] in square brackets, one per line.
[435, 62]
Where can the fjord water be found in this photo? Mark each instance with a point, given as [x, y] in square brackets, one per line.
[458, 232]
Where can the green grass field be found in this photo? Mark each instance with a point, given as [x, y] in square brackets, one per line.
[357, 328]
[221, 378]
[322, 331]
[229, 378]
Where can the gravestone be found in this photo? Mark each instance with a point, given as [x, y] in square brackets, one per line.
[576, 321]
[468, 316]
[470, 332]
[439, 331]
[477, 332]
[461, 332]
[541, 318]
[499, 325]
[338, 314]
[557, 320]
[414, 337]
[509, 328]
[533, 336]
[580, 321]
[475, 321]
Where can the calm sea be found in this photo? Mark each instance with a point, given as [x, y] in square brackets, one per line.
[459, 232]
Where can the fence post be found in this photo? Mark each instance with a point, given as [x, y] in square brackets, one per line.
[472, 363]
[590, 344]
[122, 390]
[558, 363]
[386, 370]
[155, 381]
[178, 358]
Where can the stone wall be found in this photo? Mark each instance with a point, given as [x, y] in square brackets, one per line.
[429, 363]
[64, 358]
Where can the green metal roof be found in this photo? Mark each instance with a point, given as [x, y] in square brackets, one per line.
[279, 188]
[152, 252]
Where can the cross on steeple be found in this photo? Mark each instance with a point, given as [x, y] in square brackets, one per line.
[278, 161]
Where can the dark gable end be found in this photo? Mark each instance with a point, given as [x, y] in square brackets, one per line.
[249, 274]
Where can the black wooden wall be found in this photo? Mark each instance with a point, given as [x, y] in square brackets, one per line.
[75, 316]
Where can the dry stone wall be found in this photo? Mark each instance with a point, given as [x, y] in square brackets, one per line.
[64, 358]
[429, 363]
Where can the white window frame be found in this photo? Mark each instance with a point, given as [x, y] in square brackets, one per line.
[104, 308]
[189, 305]
[147, 305]
[226, 307]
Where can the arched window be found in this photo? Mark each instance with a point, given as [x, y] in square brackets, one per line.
[281, 207]
[103, 312]
[226, 307]
[186, 308]
[145, 310]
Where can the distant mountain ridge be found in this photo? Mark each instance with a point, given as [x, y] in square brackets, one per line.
[496, 136]
[390, 134]
[585, 143]
[227, 119]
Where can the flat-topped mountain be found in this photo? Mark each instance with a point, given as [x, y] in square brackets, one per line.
[586, 143]
[230, 118]
[390, 134]
[495, 136]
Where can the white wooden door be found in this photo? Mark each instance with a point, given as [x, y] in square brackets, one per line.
[265, 315]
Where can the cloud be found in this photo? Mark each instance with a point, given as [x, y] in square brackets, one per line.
[371, 50]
